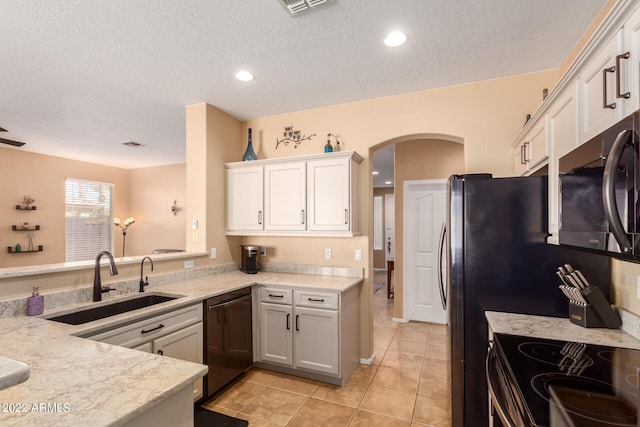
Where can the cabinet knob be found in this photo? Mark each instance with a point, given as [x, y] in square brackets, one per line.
[161, 353]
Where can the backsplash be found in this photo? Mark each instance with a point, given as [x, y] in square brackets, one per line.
[18, 306]
[630, 323]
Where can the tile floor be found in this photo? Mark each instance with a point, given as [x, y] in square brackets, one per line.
[408, 384]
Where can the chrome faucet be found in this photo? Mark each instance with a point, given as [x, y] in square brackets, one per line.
[144, 282]
[98, 289]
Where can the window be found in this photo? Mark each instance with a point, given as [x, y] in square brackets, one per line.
[88, 215]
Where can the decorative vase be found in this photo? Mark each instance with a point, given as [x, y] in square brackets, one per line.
[328, 148]
[249, 154]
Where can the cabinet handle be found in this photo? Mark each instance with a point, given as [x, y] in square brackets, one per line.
[604, 88]
[288, 317]
[302, 216]
[346, 216]
[297, 320]
[316, 299]
[522, 159]
[275, 296]
[160, 326]
[625, 95]
[161, 353]
[260, 217]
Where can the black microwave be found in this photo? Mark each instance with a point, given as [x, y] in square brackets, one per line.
[599, 191]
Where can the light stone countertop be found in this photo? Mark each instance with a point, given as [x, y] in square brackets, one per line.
[12, 372]
[85, 382]
[556, 328]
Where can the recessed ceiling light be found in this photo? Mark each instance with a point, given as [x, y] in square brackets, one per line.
[388, 182]
[395, 39]
[375, 172]
[244, 76]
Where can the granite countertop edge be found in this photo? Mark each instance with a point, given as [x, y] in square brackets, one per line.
[558, 329]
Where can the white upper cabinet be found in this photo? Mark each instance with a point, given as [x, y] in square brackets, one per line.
[630, 67]
[330, 191]
[600, 107]
[611, 80]
[305, 195]
[245, 190]
[285, 196]
[532, 150]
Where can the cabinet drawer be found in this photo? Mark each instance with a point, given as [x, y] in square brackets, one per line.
[326, 300]
[139, 332]
[276, 295]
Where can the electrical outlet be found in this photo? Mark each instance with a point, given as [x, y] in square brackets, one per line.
[194, 236]
[188, 264]
[214, 253]
[263, 251]
[327, 253]
[358, 254]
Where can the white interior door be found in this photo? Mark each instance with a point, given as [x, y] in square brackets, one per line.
[424, 213]
[389, 226]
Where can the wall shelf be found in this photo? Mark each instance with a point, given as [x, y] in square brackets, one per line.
[20, 228]
[22, 208]
[12, 250]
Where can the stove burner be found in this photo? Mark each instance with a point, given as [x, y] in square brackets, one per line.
[583, 398]
[551, 354]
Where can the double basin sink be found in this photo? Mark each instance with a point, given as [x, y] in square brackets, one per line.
[108, 310]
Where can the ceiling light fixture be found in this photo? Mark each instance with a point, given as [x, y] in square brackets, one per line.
[133, 144]
[375, 173]
[244, 76]
[388, 182]
[395, 39]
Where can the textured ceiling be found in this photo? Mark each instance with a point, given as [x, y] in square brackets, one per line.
[80, 77]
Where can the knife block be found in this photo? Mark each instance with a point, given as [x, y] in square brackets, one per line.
[597, 313]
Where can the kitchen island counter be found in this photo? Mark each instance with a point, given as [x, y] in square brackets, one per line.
[556, 328]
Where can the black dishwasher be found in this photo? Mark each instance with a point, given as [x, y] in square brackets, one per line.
[228, 339]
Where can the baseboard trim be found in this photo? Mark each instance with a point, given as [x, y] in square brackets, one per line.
[368, 361]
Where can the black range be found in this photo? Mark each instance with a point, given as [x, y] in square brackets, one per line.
[542, 382]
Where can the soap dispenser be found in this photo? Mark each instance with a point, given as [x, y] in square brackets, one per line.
[35, 303]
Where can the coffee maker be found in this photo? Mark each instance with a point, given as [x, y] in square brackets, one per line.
[249, 256]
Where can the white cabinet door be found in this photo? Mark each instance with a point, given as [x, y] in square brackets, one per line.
[598, 111]
[533, 149]
[276, 335]
[520, 158]
[317, 340]
[285, 196]
[329, 193]
[185, 344]
[563, 137]
[630, 66]
[245, 192]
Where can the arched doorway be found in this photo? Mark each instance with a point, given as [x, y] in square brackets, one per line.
[417, 156]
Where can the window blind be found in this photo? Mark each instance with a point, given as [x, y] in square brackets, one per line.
[88, 218]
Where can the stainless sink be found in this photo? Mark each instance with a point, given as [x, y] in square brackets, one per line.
[95, 313]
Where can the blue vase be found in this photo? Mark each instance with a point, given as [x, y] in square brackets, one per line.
[249, 154]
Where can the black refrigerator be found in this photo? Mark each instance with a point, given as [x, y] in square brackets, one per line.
[498, 260]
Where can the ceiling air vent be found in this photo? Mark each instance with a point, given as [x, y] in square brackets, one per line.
[295, 6]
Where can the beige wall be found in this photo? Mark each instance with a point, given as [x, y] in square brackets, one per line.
[145, 193]
[43, 177]
[418, 160]
[624, 276]
[153, 191]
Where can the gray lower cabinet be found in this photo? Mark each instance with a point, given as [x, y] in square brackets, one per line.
[176, 334]
[308, 333]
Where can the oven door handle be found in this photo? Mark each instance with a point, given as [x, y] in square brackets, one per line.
[492, 382]
[622, 141]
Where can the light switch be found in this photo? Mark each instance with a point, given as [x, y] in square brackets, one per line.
[214, 253]
[358, 254]
[327, 253]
